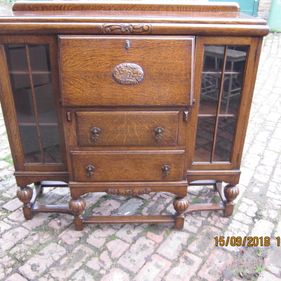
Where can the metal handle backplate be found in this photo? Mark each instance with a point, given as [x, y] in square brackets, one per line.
[95, 133]
[90, 169]
[158, 133]
[166, 169]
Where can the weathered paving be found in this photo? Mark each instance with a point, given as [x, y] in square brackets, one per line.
[48, 248]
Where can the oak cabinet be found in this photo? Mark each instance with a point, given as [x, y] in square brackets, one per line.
[109, 100]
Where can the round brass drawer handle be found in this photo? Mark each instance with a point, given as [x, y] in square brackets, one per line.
[166, 169]
[90, 169]
[95, 133]
[158, 133]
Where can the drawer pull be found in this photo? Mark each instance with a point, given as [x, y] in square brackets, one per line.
[90, 170]
[95, 133]
[158, 133]
[128, 73]
[166, 169]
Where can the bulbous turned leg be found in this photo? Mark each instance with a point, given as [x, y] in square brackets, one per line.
[25, 195]
[180, 205]
[77, 206]
[230, 193]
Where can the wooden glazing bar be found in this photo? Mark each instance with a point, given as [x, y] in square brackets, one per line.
[219, 72]
[20, 72]
[219, 105]
[34, 104]
[32, 124]
[212, 115]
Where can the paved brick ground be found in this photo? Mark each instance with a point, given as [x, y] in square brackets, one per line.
[47, 247]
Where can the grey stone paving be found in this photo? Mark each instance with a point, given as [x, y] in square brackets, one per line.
[47, 247]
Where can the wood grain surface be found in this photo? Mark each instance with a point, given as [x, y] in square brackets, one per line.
[139, 165]
[128, 128]
[87, 79]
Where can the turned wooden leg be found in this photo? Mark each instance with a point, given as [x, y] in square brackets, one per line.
[180, 205]
[25, 195]
[230, 193]
[77, 206]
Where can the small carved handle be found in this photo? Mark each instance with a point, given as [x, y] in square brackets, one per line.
[158, 133]
[90, 170]
[166, 169]
[95, 133]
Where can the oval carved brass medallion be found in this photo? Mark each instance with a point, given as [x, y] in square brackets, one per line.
[128, 73]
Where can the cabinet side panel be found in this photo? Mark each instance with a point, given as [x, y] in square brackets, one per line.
[246, 101]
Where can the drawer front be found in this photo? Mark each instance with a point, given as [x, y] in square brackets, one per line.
[141, 165]
[126, 70]
[124, 128]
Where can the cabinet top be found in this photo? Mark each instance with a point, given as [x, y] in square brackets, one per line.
[126, 5]
[170, 17]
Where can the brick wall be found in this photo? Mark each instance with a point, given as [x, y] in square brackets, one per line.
[264, 8]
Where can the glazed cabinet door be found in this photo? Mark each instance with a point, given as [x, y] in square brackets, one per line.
[226, 72]
[30, 99]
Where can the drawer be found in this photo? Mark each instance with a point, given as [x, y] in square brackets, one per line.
[126, 70]
[141, 165]
[124, 128]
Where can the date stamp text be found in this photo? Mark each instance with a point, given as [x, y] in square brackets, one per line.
[245, 241]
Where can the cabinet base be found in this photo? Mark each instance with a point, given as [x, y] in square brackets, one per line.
[77, 205]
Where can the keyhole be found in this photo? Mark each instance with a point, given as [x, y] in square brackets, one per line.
[127, 44]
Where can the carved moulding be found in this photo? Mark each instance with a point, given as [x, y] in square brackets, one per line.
[128, 192]
[128, 73]
[126, 28]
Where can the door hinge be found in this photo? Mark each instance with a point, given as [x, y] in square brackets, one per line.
[69, 116]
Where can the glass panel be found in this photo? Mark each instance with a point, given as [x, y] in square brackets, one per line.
[208, 130]
[213, 58]
[34, 102]
[50, 137]
[39, 58]
[210, 88]
[225, 135]
[232, 88]
[204, 139]
[16, 58]
[236, 57]
[233, 80]
[44, 98]
[22, 98]
[30, 144]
